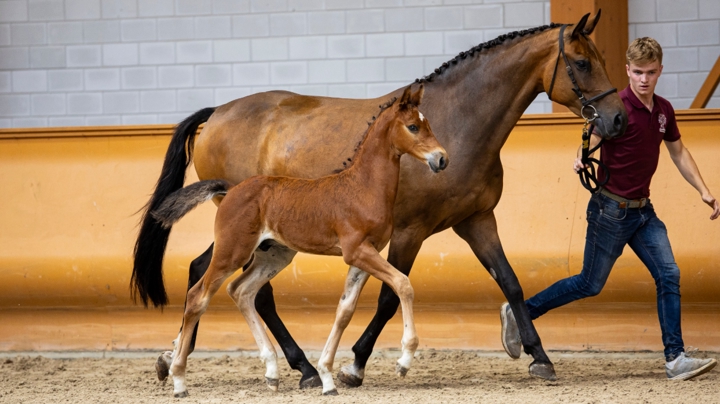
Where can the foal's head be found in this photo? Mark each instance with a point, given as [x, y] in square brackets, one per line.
[410, 132]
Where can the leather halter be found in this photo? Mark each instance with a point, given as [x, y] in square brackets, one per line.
[568, 68]
[588, 177]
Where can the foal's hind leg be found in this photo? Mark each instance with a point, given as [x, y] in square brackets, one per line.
[243, 291]
[198, 267]
[223, 264]
[354, 283]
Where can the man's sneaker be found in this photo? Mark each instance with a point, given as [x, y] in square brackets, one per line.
[510, 334]
[685, 368]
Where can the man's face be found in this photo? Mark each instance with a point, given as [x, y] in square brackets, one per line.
[643, 78]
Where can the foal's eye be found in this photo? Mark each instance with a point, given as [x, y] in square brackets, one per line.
[582, 65]
[413, 128]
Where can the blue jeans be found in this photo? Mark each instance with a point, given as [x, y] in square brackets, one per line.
[609, 230]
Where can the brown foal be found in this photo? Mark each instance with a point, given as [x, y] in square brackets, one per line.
[348, 214]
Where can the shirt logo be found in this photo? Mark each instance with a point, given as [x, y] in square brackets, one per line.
[662, 120]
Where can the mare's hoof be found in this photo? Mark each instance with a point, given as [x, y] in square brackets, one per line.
[162, 367]
[349, 379]
[332, 392]
[272, 383]
[400, 370]
[543, 370]
[310, 382]
[182, 394]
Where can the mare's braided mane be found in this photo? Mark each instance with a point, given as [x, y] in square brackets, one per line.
[485, 45]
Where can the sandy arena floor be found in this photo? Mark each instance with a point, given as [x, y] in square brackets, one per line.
[436, 377]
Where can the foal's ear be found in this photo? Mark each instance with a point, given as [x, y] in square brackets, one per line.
[406, 97]
[417, 96]
[580, 26]
[590, 27]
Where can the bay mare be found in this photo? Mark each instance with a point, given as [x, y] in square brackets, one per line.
[473, 101]
[348, 214]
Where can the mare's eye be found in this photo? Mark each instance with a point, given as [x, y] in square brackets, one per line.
[582, 65]
[412, 128]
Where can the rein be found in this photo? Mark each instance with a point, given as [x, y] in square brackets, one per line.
[588, 177]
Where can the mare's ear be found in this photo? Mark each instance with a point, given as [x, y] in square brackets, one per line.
[580, 26]
[406, 97]
[590, 27]
[417, 96]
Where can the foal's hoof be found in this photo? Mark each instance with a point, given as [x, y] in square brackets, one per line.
[182, 394]
[310, 382]
[332, 392]
[162, 366]
[272, 383]
[400, 370]
[350, 380]
[543, 370]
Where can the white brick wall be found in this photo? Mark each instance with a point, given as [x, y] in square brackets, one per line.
[100, 62]
[689, 32]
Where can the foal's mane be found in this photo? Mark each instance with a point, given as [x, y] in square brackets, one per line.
[485, 45]
[382, 107]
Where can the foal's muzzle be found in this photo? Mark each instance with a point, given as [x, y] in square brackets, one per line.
[437, 160]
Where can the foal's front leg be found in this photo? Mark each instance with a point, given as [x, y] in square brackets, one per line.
[354, 283]
[368, 259]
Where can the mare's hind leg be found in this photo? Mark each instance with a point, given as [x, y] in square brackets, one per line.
[480, 232]
[354, 283]
[243, 291]
[404, 248]
[367, 258]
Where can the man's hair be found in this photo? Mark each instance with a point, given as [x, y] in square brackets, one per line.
[643, 51]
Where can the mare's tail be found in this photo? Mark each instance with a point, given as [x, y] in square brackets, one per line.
[182, 201]
[147, 277]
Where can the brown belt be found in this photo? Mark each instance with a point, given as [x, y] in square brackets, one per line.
[625, 203]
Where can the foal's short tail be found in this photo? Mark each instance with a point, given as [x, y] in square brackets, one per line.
[147, 277]
[180, 202]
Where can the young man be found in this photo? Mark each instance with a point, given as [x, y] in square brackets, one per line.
[621, 213]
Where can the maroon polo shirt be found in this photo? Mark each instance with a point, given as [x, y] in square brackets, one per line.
[633, 157]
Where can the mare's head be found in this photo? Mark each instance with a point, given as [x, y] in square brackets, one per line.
[410, 131]
[593, 94]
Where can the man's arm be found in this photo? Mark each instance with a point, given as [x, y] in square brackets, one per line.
[686, 165]
[578, 165]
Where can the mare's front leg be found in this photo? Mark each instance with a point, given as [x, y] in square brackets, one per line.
[367, 258]
[480, 232]
[354, 283]
[404, 247]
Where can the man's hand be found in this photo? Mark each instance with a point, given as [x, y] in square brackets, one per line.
[578, 165]
[714, 204]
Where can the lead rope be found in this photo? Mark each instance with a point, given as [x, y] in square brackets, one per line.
[588, 174]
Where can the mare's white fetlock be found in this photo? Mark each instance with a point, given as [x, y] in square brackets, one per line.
[328, 383]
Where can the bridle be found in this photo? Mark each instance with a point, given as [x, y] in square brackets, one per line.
[587, 174]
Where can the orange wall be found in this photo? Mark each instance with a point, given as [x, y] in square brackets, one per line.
[70, 197]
